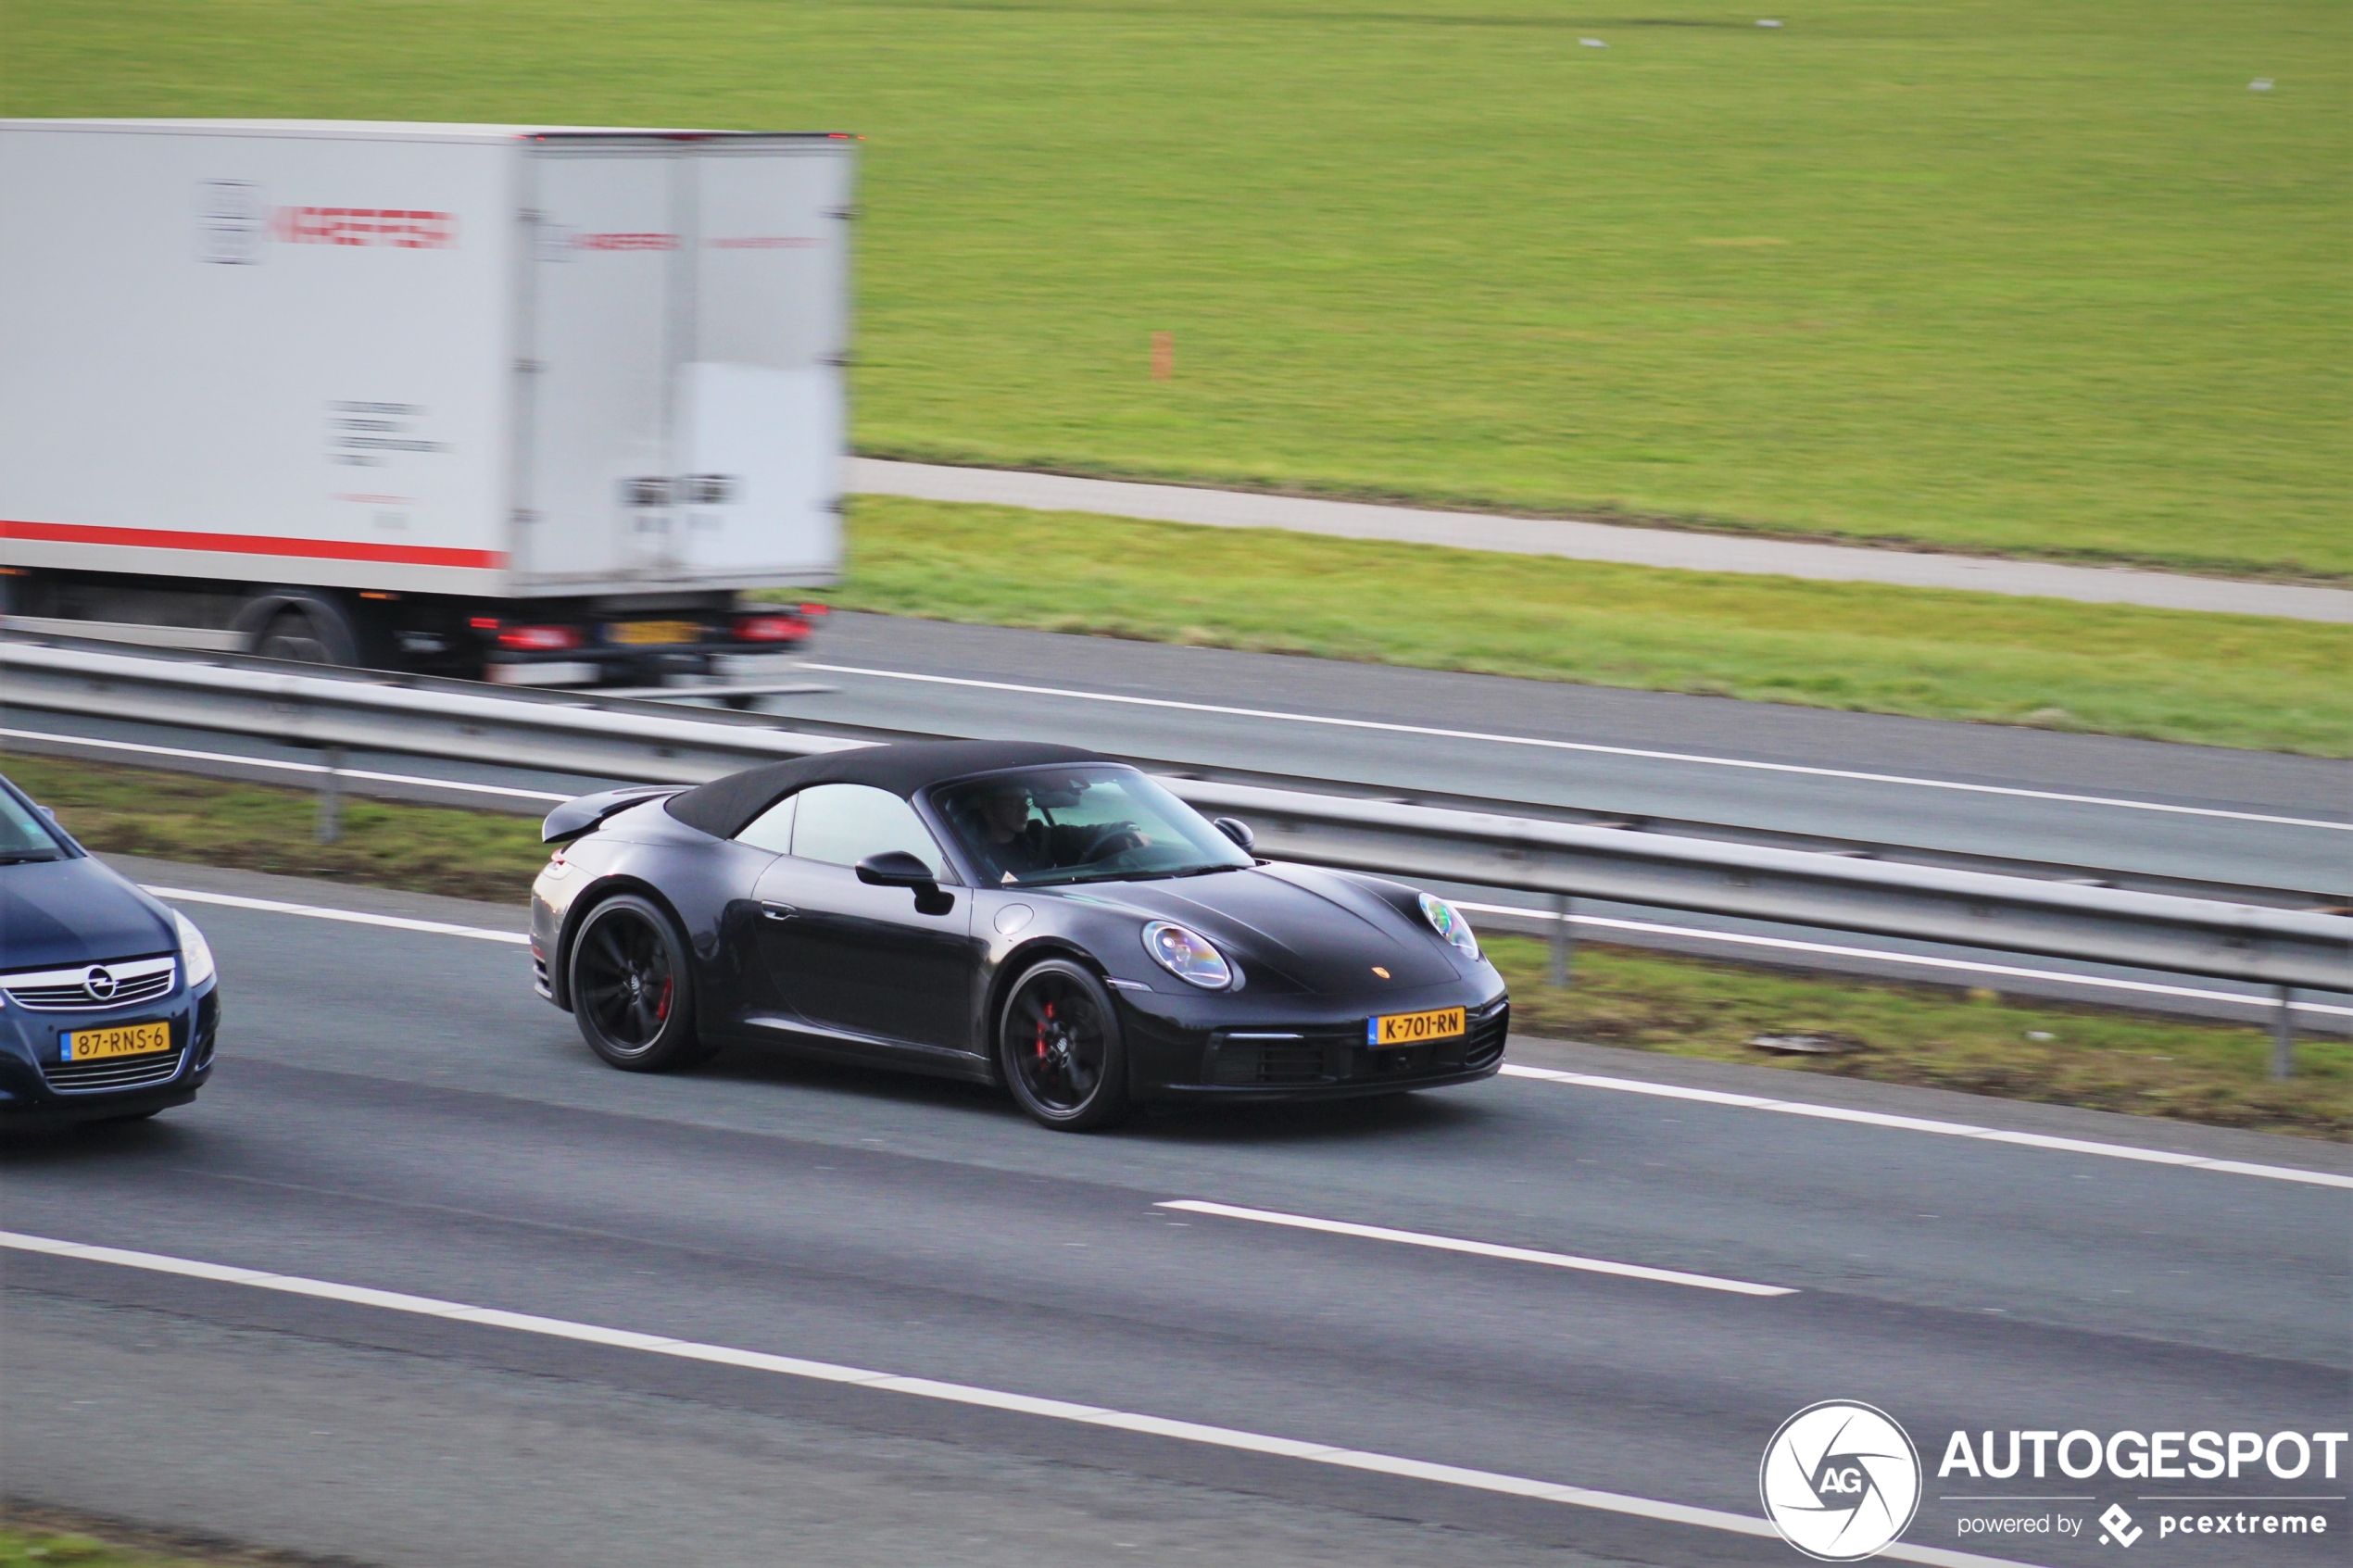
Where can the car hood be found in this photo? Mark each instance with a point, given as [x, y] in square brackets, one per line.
[54, 914]
[1322, 931]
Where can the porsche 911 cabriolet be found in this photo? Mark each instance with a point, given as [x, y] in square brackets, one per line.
[1030, 915]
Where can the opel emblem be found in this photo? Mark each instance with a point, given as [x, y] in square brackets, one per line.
[99, 982]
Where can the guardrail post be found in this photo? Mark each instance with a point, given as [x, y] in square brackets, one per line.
[2284, 1038]
[331, 798]
[1564, 935]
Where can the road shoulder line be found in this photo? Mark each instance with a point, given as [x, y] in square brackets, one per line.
[955, 1393]
[1511, 1069]
[1925, 1124]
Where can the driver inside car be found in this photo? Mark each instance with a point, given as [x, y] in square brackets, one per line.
[1019, 843]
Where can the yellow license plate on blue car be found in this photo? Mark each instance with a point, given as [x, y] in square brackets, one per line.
[127, 1039]
[1413, 1028]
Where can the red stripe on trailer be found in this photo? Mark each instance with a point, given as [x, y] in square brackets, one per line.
[252, 544]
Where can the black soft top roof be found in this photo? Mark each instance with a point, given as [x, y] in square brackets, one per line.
[725, 807]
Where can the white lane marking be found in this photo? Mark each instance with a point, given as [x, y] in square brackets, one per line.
[1585, 746]
[1477, 1249]
[1922, 1124]
[350, 916]
[282, 765]
[1882, 955]
[1753, 1102]
[954, 1393]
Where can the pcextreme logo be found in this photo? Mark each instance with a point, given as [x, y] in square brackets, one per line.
[1840, 1480]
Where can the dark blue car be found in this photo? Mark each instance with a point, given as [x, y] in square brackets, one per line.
[109, 1001]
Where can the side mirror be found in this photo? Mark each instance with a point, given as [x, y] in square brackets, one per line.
[1238, 831]
[897, 867]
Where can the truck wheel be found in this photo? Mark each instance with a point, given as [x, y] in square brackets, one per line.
[306, 628]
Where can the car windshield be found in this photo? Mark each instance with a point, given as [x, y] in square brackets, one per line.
[23, 835]
[1055, 825]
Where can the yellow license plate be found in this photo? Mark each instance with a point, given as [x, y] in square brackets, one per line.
[131, 1039]
[640, 631]
[1413, 1028]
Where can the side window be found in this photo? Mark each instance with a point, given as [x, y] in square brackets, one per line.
[841, 824]
[772, 830]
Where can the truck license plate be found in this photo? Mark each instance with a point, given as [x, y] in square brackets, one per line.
[638, 633]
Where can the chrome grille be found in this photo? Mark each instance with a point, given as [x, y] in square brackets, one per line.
[122, 1073]
[86, 987]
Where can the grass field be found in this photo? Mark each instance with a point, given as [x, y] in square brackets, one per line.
[1644, 1001]
[256, 827]
[1930, 1037]
[2118, 670]
[2035, 276]
[44, 1538]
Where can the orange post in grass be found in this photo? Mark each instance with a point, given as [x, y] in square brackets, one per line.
[1163, 355]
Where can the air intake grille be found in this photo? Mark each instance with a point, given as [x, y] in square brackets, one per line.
[1272, 1061]
[122, 1073]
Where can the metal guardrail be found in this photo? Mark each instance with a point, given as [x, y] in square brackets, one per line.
[640, 740]
[672, 703]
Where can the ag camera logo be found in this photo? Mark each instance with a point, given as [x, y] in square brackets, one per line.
[1840, 1480]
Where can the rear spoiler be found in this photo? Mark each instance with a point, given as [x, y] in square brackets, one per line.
[583, 813]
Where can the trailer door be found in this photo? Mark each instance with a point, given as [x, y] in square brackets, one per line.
[760, 406]
[606, 277]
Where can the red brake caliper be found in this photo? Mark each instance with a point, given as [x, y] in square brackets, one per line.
[661, 1007]
[1042, 1032]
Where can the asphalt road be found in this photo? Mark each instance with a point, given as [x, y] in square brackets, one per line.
[395, 1110]
[1680, 549]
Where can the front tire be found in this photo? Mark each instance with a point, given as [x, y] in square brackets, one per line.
[1059, 1043]
[633, 990]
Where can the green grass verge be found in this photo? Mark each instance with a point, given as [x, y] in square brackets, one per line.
[2037, 276]
[49, 1549]
[256, 827]
[41, 1537]
[2114, 668]
[1686, 1007]
[1934, 1037]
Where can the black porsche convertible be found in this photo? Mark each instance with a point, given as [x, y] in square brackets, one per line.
[1026, 914]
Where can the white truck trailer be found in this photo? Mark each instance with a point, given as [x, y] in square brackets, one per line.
[534, 403]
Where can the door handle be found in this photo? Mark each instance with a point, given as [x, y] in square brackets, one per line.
[778, 911]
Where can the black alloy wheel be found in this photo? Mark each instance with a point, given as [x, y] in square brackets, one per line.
[632, 992]
[1059, 1043]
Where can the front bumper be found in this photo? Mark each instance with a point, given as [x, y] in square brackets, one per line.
[36, 1089]
[1244, 1048]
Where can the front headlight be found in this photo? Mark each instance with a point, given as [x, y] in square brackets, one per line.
[1448, 921]
[195, 953]
[1187, 956]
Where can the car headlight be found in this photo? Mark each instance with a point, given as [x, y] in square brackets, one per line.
[1448, 921]
[1187, 956]
[195, 953]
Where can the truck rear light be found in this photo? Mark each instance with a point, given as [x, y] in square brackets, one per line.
[770, 629]
[539, 639]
